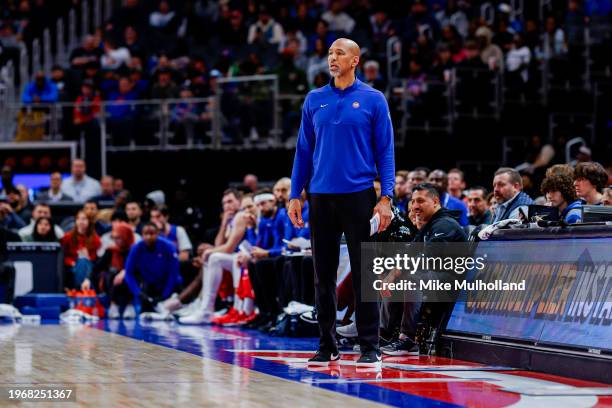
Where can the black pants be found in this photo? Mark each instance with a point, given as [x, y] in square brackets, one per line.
[264, 275]
[330, 216]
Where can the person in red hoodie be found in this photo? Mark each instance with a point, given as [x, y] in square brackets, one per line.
[80, 246]
[109, 272]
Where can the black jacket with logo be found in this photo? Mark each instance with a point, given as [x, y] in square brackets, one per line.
[443, 227]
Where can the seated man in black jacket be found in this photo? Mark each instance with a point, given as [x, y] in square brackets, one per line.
[436, 224]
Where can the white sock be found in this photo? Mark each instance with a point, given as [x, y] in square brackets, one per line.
[237, 302]
[247, 306]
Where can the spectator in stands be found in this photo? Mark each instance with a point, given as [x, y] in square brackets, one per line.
[108, 274]
[338, 20]
[164, 88]
[118, 185]
[281, 191]
[7, 180]
[8, 219]
[472, 58]
[54, 194]
[40, 90]
[80, 245]
[107, 191]
[453, 15]
[560, 193]
[43, 230]
[478, 207]
[175, 234]
[490, 54]
[106, 239]
[265, 31]
[373, 77]
[381, 29]
[607, 196]
[442, 64]
[401, 191]
[79, 185]
[64, 87]
[233, 32]
[291, 79]
[417, 176]
[90, 208]
[21, 203]
[87, 107]
[323, 33]
[437, 225]
[114, 57]
[317, 61]
[420, 22]
[164, 18]
[509, 197]
[41, 210]
[88, 53]
[439, 178]
[251, 182]
[456, 183]
[132, 42]
[589, 181]
[518, 59]
[122, 116]
[152, 269]
[133, 211]
[555, 43]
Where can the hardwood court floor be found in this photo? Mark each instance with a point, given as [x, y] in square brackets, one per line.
[110, 370]
[127, 364]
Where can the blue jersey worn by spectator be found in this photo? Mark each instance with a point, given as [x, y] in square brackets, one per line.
[345, 140]
[157, 268]
[46, 94]
[572, 213]
[451, 203]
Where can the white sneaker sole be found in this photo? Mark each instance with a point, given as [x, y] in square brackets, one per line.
[399, 353]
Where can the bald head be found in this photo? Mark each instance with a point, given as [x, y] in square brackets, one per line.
[349, 45]
[342, 59]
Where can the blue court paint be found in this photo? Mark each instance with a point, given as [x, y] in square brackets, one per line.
[214, 343]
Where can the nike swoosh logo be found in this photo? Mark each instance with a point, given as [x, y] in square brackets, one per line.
[324, 105]
[438, 234]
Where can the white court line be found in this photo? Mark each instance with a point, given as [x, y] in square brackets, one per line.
[284, 351]
[392, 380]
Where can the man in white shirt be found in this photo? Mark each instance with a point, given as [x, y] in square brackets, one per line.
[40, 210]
[79, 185]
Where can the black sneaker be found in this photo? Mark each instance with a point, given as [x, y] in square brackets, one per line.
[370, 359]
[403, 347]
[323, 358]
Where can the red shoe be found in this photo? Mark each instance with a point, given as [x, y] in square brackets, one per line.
[230, 315]
[242, 318]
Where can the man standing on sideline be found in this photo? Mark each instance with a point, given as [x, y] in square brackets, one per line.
[345, 141]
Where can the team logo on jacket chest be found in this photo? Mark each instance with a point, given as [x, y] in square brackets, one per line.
[356, 105]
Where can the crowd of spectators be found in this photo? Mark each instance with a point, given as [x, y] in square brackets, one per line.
[177, 49]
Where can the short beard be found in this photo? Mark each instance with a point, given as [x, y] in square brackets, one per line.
[334, 74]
